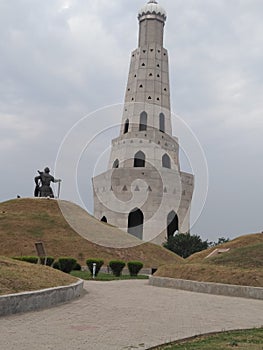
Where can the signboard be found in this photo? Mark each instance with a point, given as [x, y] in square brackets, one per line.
[40, 249]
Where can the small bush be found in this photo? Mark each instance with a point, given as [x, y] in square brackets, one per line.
[134, 267]
[77, 267]
[29, 259]
[98, 263]
[56, 265]
[117, 267]
[67, 264]
[49, 260]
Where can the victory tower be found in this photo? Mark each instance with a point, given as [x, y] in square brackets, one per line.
[144, 191]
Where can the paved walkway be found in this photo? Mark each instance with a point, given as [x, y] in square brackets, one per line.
[127, 315]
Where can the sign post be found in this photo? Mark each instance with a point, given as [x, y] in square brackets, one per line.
[41, 252]
[93, 270]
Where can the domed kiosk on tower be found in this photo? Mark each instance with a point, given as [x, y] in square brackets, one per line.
[144, 192]
[152, 7]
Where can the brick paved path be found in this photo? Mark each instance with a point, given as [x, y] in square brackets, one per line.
[122, 315]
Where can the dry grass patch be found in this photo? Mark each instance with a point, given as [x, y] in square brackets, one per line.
[17, 276]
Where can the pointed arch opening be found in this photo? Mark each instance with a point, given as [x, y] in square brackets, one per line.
[116, 164]
[126, 126]
[135, 223]
[143, 122]
[172, 223]
[166, 161]
[139, 160]
[104, 219]
[161, 122]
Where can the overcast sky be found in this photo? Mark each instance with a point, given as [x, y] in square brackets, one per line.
[62, 59]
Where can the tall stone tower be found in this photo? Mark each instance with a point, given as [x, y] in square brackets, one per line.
[144, 192]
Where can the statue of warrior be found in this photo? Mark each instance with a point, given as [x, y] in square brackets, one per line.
[42, 182]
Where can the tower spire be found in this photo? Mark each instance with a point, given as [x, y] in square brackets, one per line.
[152, 19]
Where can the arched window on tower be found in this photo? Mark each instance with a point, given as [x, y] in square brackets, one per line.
[143, 121]
[161, 122]
[172, 224]
[116, 163]
[135, 223]
[104, 219]
[126, 126]
[166, 161]
[139, 160]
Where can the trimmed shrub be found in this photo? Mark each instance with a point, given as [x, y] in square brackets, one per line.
[134, 267]
[77, 267]
[67, 264]
[98, 262]
[56, 265]
[116, 267]
[29, 259]
[49, 261]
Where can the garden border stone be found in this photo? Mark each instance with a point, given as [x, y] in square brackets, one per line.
[40, 299]
[208, 287]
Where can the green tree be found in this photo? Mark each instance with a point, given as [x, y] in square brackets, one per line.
[222, 240]
[185, 245]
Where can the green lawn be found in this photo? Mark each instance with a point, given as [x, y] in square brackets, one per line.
[240, 340]
[85, 275]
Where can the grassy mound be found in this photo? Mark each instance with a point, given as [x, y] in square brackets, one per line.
[210, 273]
[251, 339]
[244, 257]
[247, 246]
[17, 276]
[26, 221]
[241, 265]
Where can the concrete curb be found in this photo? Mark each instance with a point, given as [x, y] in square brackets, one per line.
[40, 299]
[208, 287]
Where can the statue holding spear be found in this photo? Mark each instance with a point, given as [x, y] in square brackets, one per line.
[43, 181]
